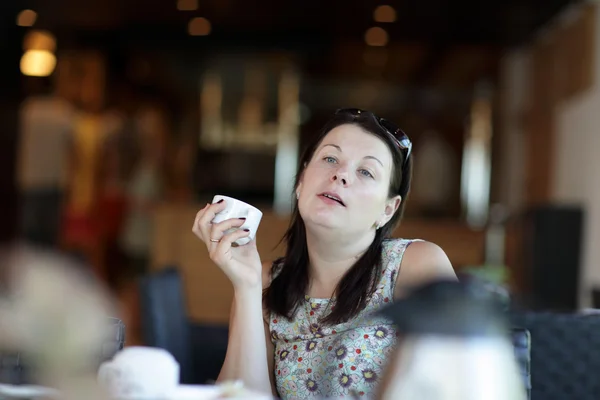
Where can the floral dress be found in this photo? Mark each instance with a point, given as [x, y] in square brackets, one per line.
[333, 361]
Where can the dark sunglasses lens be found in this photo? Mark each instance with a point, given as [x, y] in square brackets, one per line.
[391, 128]
[397, 132]
[352, 111]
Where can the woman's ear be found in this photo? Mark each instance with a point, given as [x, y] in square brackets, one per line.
[391, 206]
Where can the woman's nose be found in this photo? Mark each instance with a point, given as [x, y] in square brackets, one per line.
[341, 175]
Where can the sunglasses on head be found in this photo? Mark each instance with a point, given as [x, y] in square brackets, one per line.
[400, 138]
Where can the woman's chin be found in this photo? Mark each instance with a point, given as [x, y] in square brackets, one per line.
[323, 222]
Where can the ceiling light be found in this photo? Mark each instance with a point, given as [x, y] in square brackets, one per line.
[384, 14]
[39, 40]
[376, 36]
[38, 63]
[26, 18]
[199, 27]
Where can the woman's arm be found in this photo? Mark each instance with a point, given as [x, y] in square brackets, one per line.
[422, 262]
[250, 352]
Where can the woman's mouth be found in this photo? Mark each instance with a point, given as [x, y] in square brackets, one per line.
[332, 198]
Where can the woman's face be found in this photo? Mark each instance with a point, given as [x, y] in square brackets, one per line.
[346, 183]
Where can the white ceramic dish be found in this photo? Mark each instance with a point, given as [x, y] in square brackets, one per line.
[27, 392]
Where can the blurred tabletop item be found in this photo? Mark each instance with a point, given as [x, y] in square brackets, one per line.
[54, 315]
[455, 346]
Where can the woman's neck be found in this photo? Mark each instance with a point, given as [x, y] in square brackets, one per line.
[331, 257]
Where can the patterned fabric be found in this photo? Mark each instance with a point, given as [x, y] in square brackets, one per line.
[332, 361]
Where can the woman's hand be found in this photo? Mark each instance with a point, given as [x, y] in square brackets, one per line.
[241, 264]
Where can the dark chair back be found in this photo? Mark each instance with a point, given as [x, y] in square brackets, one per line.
[565, 360]
[521, 339]
[164, 318]
[209, 342]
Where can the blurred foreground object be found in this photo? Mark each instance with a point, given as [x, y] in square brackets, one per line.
[55, 316]
[455, 346]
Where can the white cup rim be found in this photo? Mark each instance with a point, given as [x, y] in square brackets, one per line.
[250, 206]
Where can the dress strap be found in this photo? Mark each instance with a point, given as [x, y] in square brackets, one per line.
[393, 253]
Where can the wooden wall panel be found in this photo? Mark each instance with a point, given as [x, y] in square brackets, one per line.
[562, 67]
[575, 52]
[563, 63]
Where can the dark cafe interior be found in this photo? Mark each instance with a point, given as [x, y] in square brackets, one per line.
[188, 186]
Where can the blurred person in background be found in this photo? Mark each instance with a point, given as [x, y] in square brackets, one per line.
[46, 123]
[145, 188]
[112, 209]
[305, 325]
[92, 128]
[119, 155]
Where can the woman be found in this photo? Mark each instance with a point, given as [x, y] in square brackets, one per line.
[302, 327]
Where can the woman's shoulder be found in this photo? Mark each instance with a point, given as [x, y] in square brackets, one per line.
[422, 262]
[416, 251]
[424, 252]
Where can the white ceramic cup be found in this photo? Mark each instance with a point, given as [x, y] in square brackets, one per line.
[235, 208]
[140, 373]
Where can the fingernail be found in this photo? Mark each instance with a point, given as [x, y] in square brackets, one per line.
[246, 230]
[220, 201]
[242, 218]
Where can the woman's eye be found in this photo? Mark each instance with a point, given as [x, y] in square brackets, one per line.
[366, 173]
[329, 159]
